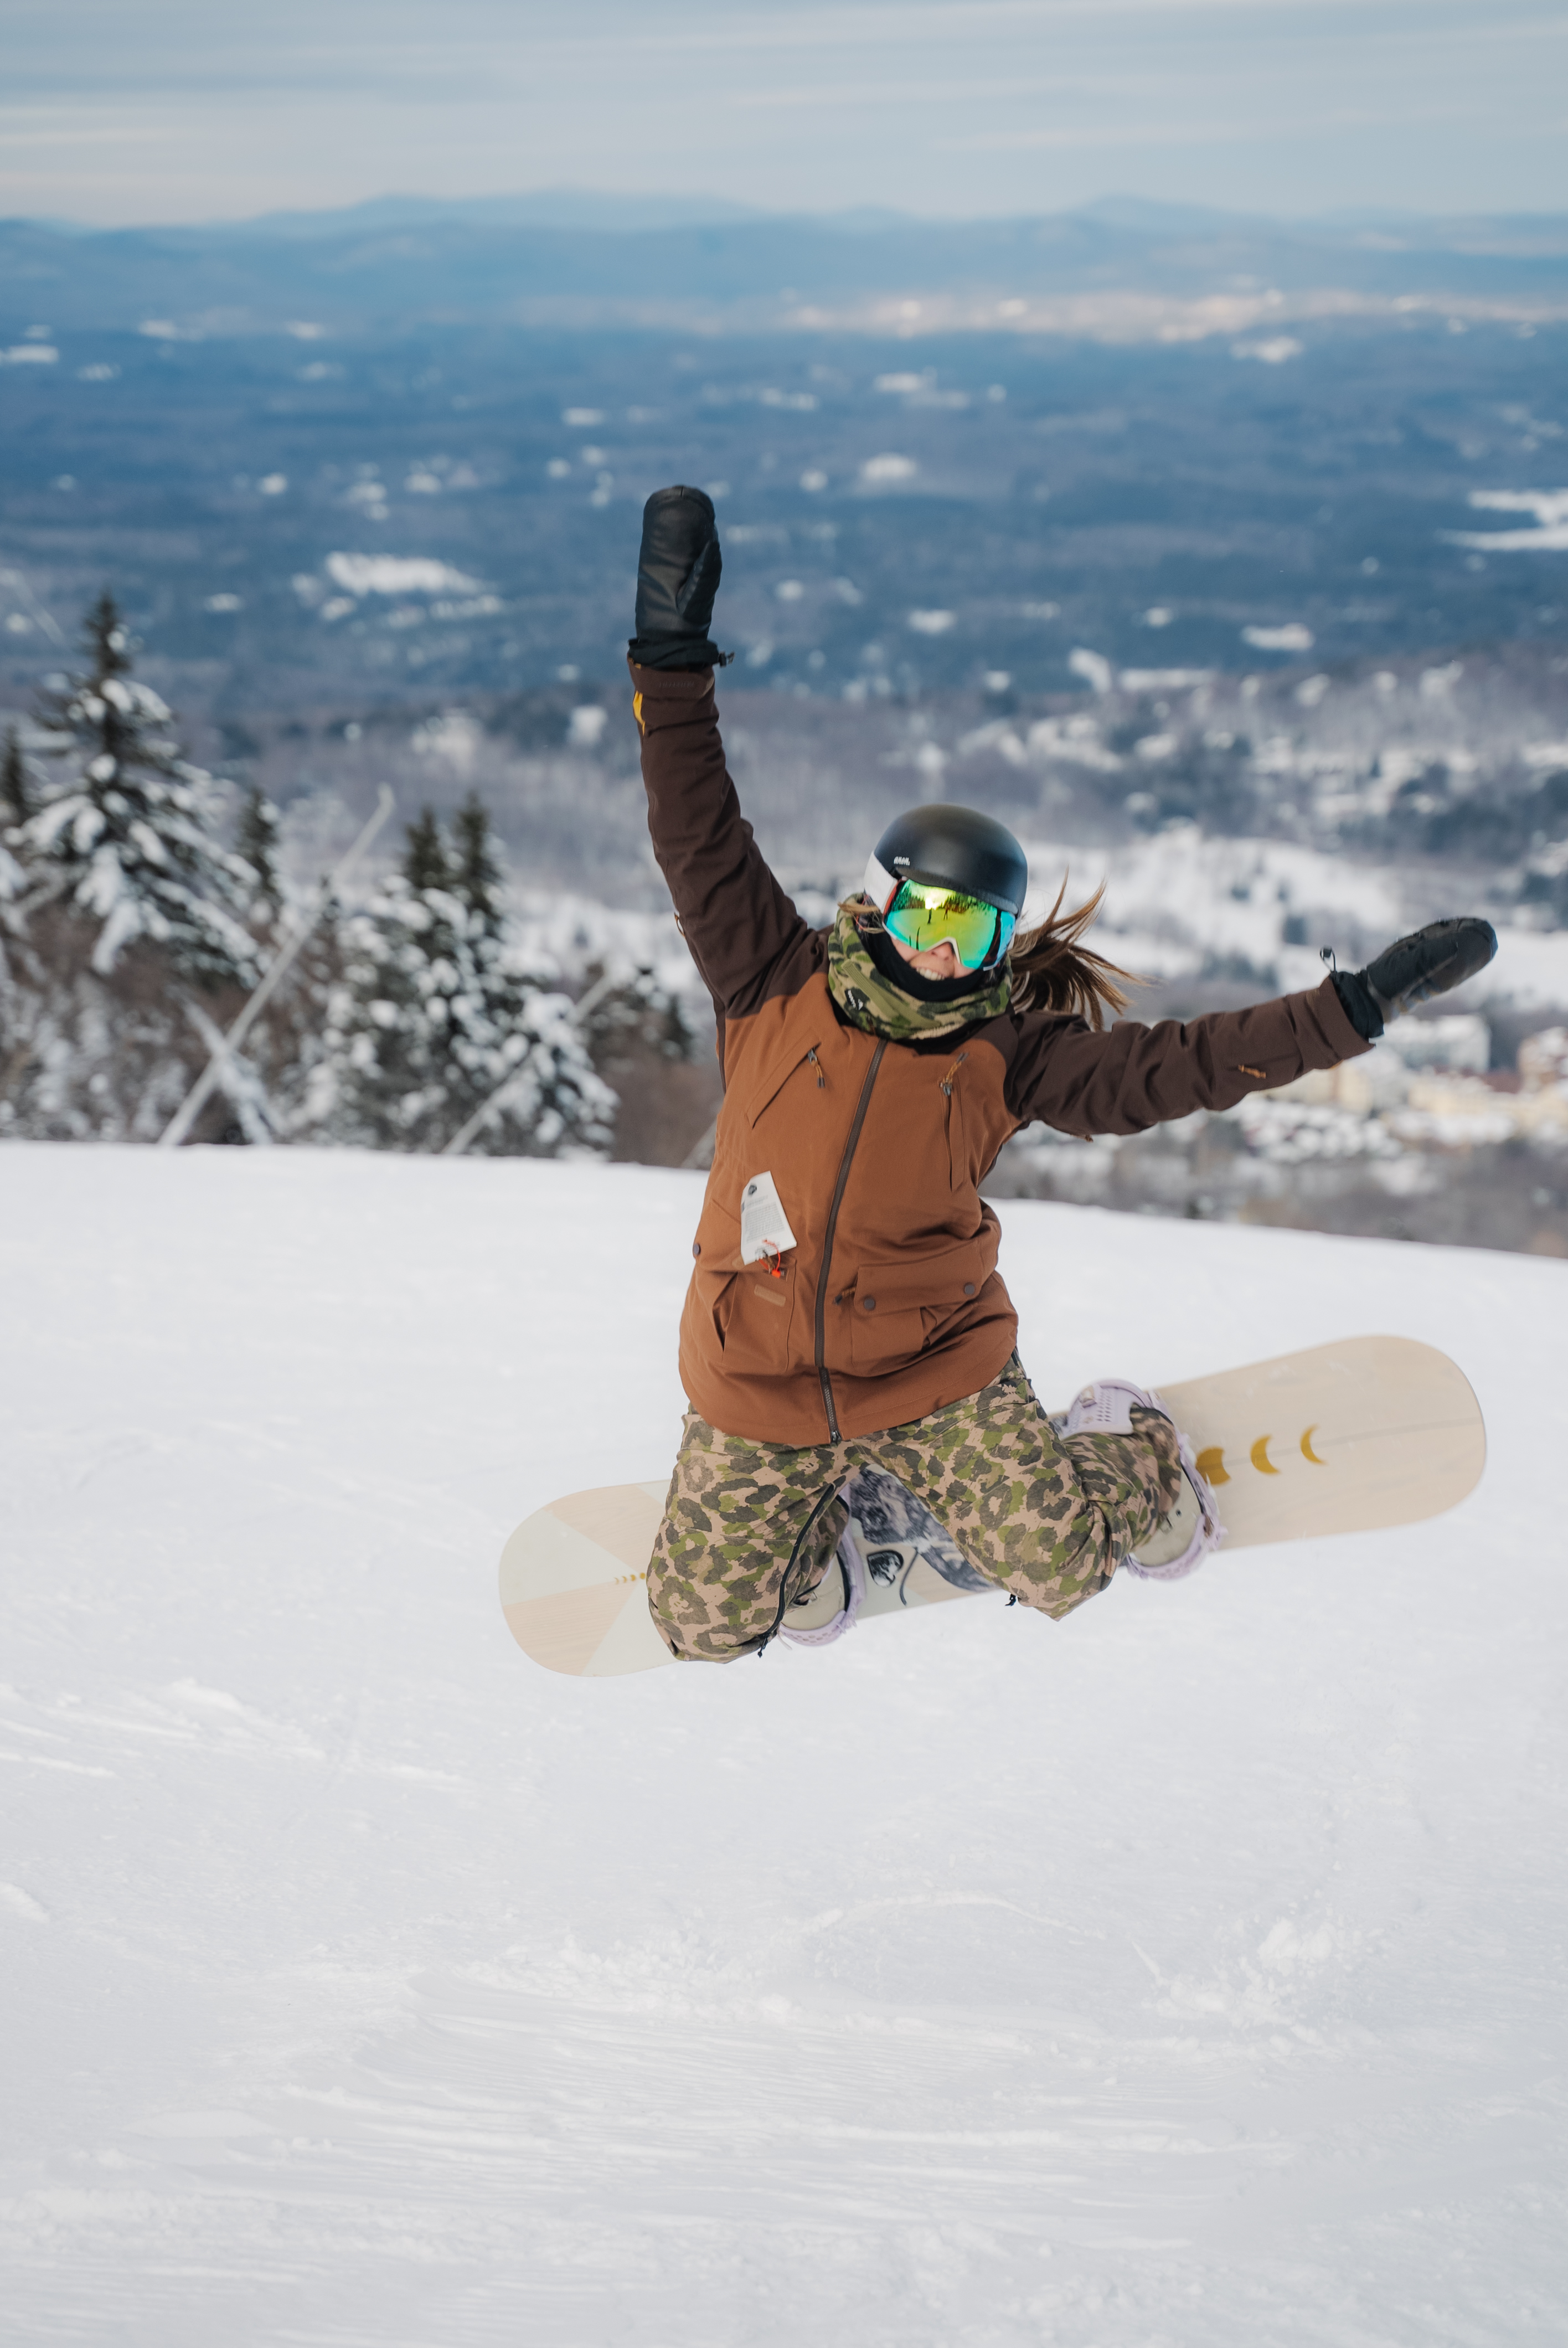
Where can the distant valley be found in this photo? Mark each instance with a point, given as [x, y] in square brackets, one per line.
[353, 461]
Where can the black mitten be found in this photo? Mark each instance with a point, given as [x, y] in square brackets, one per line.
[1428, 961]
[677, 579]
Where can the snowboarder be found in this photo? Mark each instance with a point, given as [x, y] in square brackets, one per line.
[844, 1310]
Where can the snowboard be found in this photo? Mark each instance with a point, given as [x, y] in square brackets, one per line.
[1351, 1438]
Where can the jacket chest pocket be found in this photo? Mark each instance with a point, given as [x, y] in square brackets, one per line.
[793, 1071]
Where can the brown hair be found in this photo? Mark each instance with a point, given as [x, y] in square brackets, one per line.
[1052, 972]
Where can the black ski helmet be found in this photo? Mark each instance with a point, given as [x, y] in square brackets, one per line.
[950, 848]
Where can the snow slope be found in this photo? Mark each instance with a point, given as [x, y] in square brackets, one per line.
[1189, 1974]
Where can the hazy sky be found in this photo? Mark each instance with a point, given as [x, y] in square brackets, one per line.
[195, 109]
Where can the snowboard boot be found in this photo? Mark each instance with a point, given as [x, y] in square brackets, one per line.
[827, 1613]
[1180, 1541]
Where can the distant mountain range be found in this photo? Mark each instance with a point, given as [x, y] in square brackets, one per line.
[584, 259]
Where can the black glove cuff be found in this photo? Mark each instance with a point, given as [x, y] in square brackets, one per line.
[676, 651]
[1361, 1005]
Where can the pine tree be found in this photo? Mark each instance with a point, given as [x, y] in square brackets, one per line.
[258, 847]
[109, 638]
[14, 790]
[639, 1016]
[439, 1014]
[129, 825]
[424, 862]
[477, 877]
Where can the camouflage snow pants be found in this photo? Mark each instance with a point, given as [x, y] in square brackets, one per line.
[750, 1528]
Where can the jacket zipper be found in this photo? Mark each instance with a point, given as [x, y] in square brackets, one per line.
[849, 1149]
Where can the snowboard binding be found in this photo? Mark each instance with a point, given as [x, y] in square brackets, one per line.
[1179, 1543]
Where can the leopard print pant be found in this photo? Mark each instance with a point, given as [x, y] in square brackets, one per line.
[749, 1528]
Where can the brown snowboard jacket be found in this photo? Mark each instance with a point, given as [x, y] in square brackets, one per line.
[890, 1304]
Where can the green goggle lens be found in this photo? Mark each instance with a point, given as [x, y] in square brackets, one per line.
[921, 917]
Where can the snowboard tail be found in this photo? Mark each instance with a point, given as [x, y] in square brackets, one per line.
[1352, 1437]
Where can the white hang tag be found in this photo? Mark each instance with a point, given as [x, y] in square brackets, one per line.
[764, 1226]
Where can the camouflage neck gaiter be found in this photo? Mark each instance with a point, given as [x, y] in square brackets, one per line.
[875, 1002]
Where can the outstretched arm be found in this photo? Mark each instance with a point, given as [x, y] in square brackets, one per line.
[745, 935]
[1134, 1076]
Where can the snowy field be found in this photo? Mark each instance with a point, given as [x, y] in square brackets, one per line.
[1189, 1975]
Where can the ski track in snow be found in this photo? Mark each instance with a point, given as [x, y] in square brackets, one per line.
[1188, 1975]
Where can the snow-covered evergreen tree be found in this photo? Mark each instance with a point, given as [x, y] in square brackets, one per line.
[14, 803]
[258, 846]
[128, 823]
[126, 946]
[15, 790]
[477, 875]
[440, 1012]
[635, 1016]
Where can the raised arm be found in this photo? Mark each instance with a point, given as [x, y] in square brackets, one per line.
[745, 935]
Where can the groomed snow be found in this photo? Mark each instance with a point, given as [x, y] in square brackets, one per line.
[1189, 1975]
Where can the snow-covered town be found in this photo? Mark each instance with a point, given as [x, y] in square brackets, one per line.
[1424, 1126]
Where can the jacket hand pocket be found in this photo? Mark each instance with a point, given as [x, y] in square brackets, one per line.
[897, 1310]
[751, 1312]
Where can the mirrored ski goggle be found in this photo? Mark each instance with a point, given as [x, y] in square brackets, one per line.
[921, 917]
